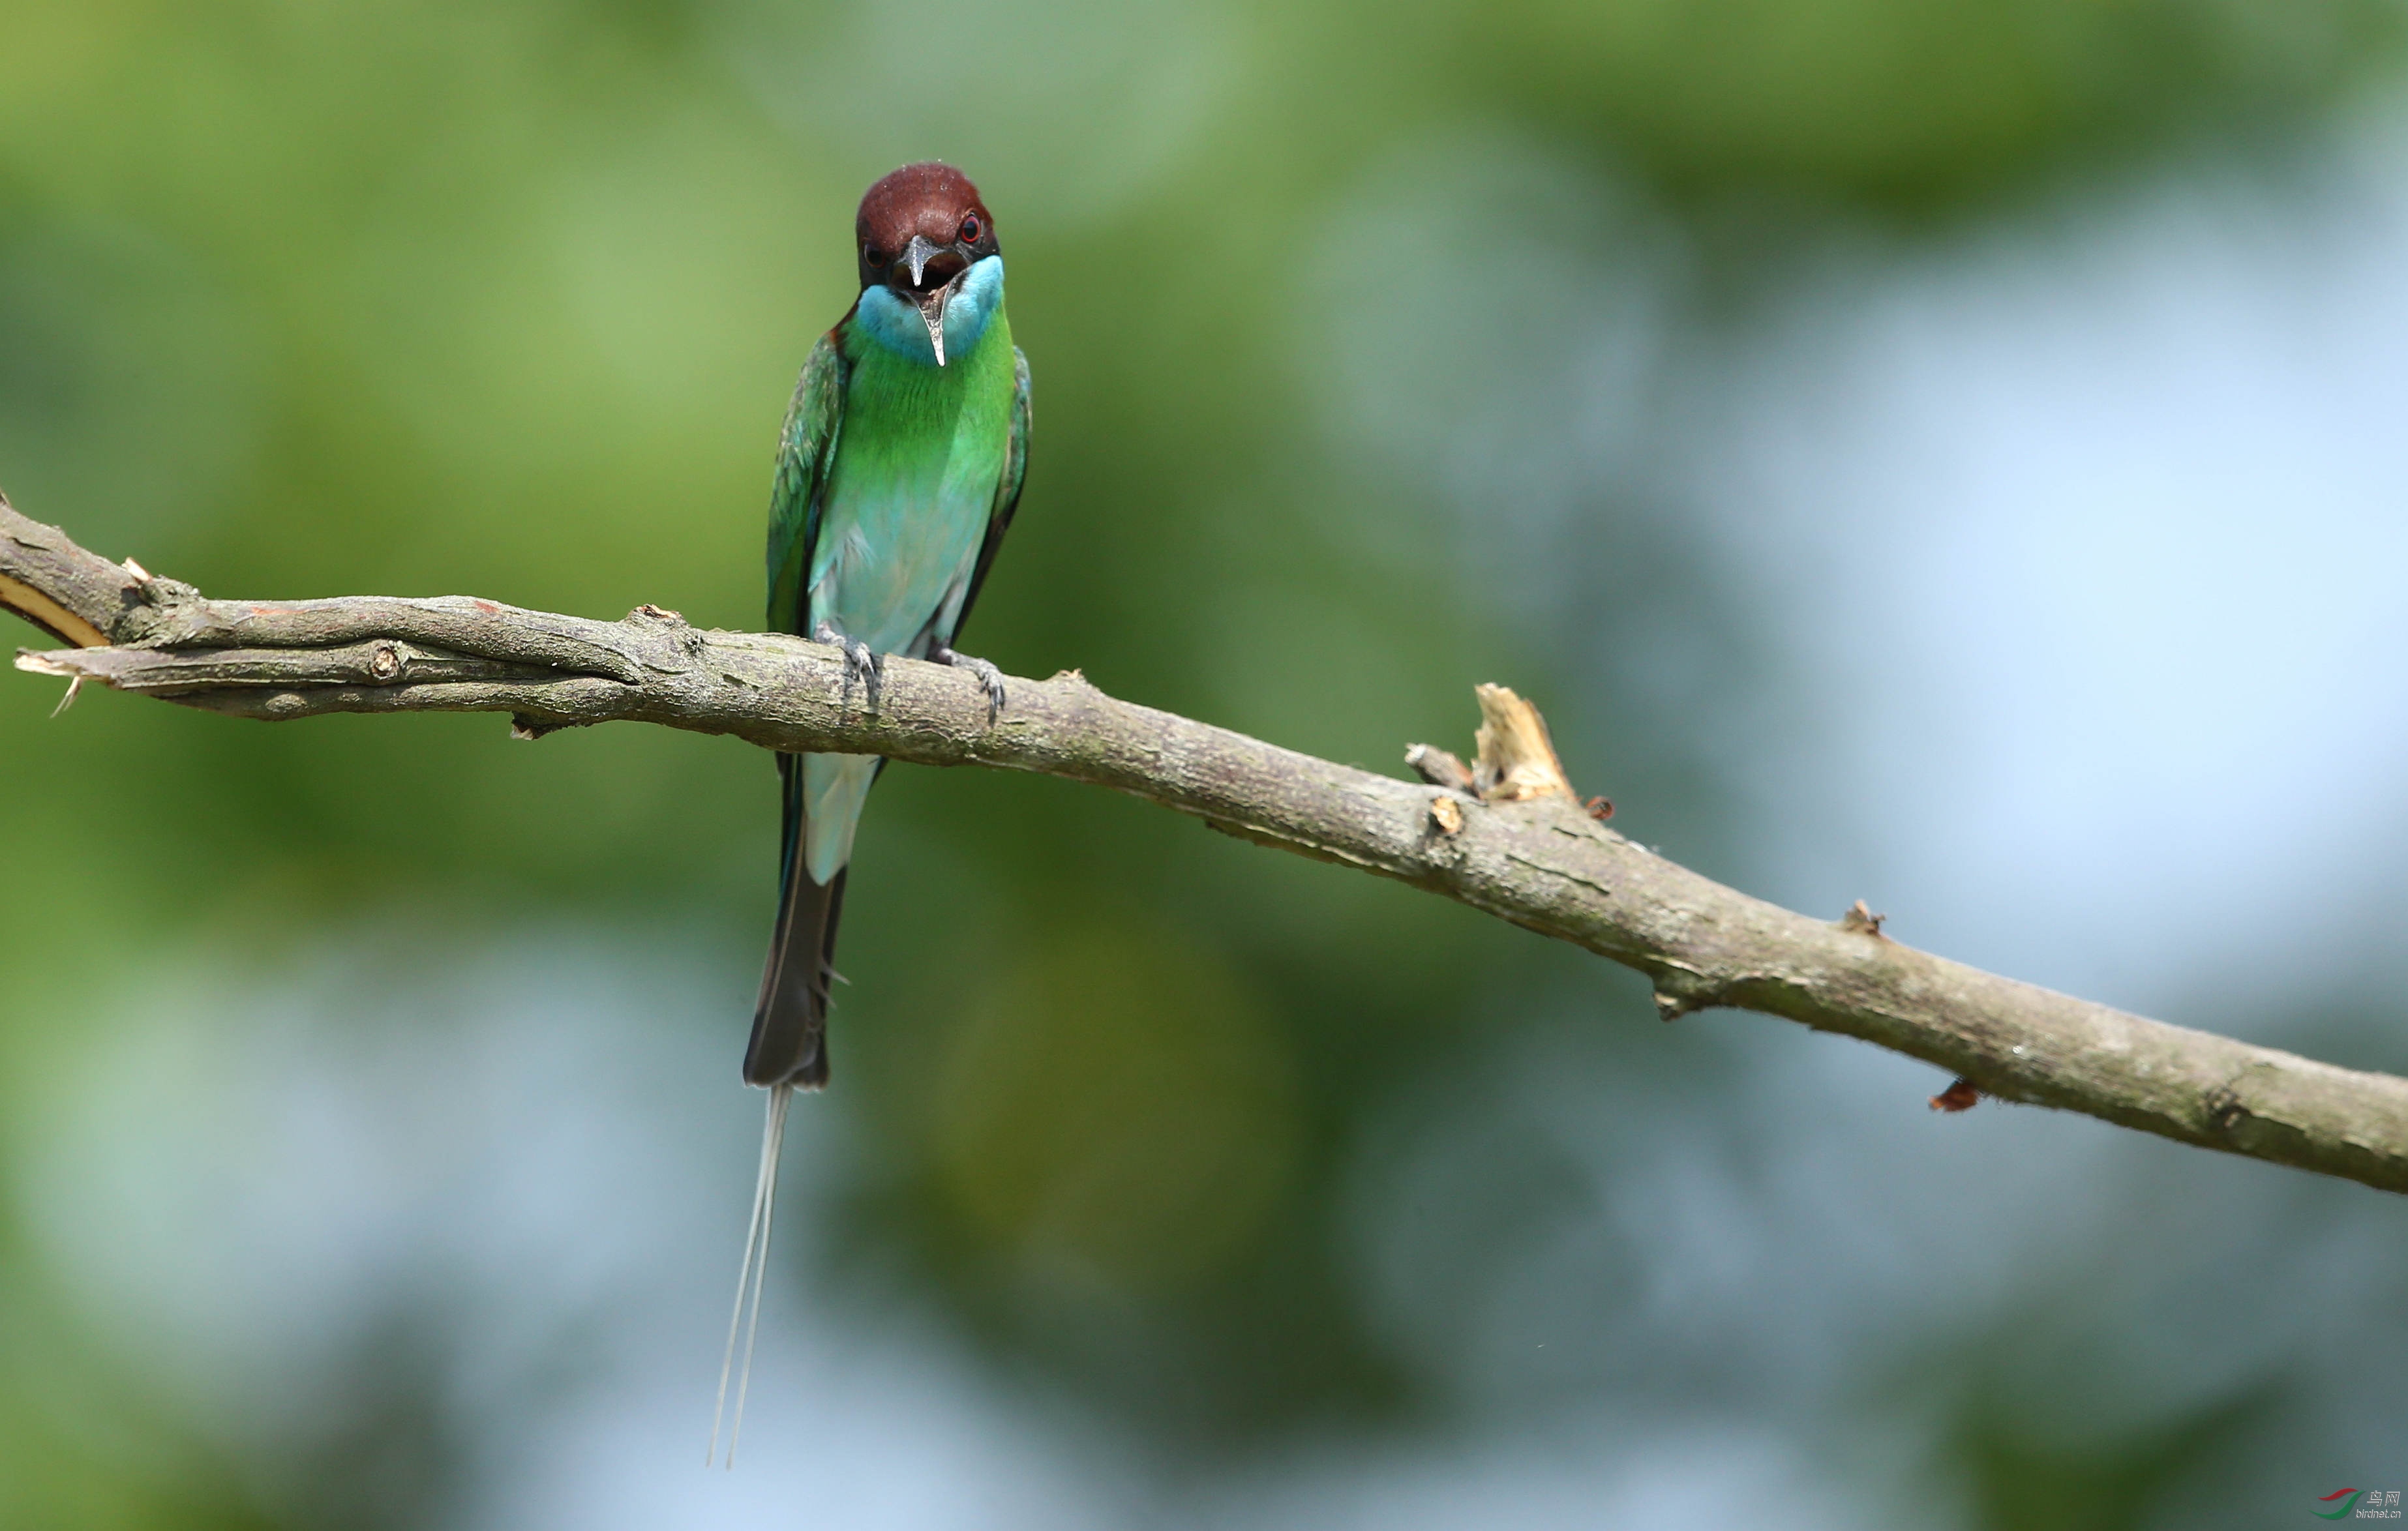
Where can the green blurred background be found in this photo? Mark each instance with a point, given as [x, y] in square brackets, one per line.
[374, 1152]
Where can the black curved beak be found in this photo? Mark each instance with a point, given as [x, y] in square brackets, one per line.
[928, 273]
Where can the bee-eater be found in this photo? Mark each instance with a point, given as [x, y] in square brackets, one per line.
[898, 470]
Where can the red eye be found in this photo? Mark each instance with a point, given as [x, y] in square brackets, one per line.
[972, 229]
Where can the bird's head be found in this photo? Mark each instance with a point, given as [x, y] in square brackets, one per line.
[918, 231]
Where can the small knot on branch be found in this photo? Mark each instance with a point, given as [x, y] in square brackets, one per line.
[2225, 1110]
[689, 638]
[1678, 994]
[169, 613]
[1959, 1096]
[1447, 814]
[1863, 922]
[527, 726]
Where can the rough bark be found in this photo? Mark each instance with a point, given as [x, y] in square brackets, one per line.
[1503, 836]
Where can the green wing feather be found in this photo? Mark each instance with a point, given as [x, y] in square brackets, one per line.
[806, 451]
[1006, 487]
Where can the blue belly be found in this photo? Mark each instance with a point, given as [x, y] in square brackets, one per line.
[892, 565]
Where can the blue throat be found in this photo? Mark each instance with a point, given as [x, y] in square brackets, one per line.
[895, 325]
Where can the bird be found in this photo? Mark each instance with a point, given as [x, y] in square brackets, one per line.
[899, 467]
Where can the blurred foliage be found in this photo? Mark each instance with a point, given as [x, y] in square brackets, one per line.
[2027, 1479]
[1116, 1104]
[507, 298]
[1918, 105]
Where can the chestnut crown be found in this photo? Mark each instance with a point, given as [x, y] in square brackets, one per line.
[934, 202]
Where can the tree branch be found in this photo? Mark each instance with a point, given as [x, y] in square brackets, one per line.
[1505, 836]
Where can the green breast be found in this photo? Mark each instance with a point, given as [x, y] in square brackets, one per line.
[917, 462]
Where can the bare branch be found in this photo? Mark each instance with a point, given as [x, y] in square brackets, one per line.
[1505, 836]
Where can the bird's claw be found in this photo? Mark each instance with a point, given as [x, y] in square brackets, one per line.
[863, 666]
[989, 677]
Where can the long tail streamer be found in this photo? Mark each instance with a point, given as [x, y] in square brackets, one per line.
[748, 1281]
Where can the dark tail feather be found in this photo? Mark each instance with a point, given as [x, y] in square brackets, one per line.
[790, 1021]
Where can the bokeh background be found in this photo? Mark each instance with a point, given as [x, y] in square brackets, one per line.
[1946, 452]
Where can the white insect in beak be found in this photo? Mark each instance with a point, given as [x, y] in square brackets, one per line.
[916, 256]
[932, 313]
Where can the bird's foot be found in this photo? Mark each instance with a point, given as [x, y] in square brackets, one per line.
[861, 666]
[989, 677]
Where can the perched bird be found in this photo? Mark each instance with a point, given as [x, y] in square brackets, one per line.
[898, 469]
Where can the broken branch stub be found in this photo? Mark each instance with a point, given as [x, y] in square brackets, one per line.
[1517, 760]
[1439, 767]
[1862, 921]
[50, 581]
